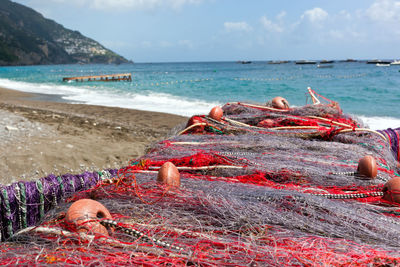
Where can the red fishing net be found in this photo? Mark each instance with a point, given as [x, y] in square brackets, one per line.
[284, 192]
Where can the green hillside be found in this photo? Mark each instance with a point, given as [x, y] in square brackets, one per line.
[27, 38]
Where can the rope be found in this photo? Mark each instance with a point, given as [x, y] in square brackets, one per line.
[8, 215]
[139, 235]
[328, 196]
[203, 143]
[350, 196]
[90, 238]
[237, 122]
[363, 130]
[39, 187]
[314, 99]
[330, 121]
[295, 127]
[258, 106]
[192, 126]
[60, 182]
[204, 167]
[356, 174]
[17, 195]
[72, 183]
[23, 208]
[244, 124]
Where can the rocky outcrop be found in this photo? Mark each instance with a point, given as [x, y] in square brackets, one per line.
[27, 38]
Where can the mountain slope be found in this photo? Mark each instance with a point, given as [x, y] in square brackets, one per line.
[27, 38]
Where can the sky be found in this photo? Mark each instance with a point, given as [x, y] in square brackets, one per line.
[230, 30]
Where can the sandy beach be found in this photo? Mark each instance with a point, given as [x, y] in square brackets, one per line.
[41, 135]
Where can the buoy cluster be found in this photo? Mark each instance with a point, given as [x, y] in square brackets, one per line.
[84, 215]
[368, 169]
[217, 113]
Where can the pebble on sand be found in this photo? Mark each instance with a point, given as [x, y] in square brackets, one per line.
[11, 128]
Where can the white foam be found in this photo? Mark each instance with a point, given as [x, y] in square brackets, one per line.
[380, 123]
[95, 96]
[151, 102]
[40, 88]
[148, 101]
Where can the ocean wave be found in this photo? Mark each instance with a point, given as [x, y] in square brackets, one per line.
[149, 101]
[40, 88]
[380, 123]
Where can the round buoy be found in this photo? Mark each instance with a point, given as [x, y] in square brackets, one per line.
[367, 167]
[280, 103]
[216, 113]
[267, 123]
[195, 120]
[169, 175]
[391, 190]
[85, 213]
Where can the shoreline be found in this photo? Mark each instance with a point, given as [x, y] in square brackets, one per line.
[44, 135]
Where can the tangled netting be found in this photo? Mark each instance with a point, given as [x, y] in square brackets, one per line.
[262, 186]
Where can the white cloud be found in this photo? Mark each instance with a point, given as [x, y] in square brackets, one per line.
[237, 26]
[345, 14]
[146, 44]
[384, 11]
[281, 15]
[270, 26]
[346, 35]
[336, 34]
[115, 44]
[315, 15]
[176, 4]
[130, 4]
[165, 44]
[186, 43]
[383, 17]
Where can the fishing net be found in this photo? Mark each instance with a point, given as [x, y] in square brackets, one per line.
[283, 192]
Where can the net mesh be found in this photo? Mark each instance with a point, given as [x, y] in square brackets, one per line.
[251, 194]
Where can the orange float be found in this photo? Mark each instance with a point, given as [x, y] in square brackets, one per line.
[267, 123]
[280, 103]
[85, 215]
[367, 167]
[169, 175]
[216, 113]
[195, 120]
[391, 190]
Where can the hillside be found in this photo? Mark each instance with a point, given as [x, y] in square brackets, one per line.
[27, 38]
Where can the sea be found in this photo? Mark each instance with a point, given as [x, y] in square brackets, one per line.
[367, 91]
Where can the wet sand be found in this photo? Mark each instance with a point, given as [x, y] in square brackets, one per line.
[40, 135]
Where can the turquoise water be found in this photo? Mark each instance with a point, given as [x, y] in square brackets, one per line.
[365, 90]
